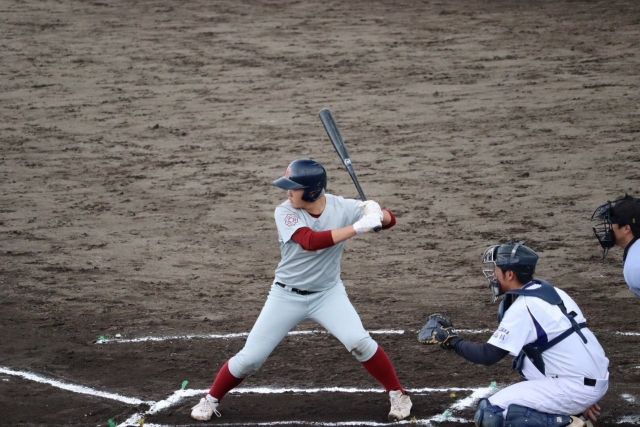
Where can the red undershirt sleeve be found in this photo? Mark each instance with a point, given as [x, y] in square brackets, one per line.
[312, 240]
[393, 221]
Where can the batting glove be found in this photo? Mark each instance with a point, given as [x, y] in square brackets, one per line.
[370, 207]
[367, 223]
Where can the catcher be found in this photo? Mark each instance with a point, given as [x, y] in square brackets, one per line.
[544, 329]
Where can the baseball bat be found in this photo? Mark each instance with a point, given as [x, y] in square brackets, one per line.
[338, 143]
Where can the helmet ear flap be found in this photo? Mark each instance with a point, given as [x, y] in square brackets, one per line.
[311, 195]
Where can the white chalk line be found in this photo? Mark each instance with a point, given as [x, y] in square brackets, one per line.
[314, 390]
[109, 340]
[447, 415]
[179, 395]
[119, 340]
[73, 387]
[412, 422]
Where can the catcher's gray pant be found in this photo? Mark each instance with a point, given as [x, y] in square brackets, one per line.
[284, 309]
[552, 395]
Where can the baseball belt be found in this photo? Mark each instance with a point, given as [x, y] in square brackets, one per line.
[296, 290]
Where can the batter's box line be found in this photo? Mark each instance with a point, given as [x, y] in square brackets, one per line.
[179, 395]
[411, 422]
[80, 389]
[119, 340]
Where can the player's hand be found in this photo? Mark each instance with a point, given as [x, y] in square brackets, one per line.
[592, 413]
[370, 207]
[367, 223]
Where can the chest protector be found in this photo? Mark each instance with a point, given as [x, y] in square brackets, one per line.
[534, 350]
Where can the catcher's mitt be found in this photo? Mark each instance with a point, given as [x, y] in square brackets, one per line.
[438, 329]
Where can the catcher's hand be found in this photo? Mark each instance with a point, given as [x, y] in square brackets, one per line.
[438, 329]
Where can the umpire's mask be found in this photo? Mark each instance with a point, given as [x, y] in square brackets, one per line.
[602, 227]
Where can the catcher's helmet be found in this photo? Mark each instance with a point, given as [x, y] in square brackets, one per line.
[304, 174]
[511, 256]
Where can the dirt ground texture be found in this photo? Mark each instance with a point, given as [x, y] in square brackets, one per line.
[138, 144]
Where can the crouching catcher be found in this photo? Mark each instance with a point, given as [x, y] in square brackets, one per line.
[543, 328]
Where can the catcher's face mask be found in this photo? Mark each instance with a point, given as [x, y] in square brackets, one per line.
[603, 227]
[489, 270]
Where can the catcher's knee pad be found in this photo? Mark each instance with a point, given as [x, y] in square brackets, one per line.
[364, 349]
[518, 415]
[488, 415]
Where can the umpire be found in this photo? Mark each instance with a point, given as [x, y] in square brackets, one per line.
[544, 329]
[618, 224]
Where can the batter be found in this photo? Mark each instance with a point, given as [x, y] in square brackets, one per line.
[313, 227]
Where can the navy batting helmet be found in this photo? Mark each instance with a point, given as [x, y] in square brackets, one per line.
[304, 174]
[511, 256]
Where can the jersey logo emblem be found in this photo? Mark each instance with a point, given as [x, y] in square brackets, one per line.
[290, 220]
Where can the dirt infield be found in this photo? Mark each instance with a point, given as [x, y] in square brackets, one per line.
[139, 140]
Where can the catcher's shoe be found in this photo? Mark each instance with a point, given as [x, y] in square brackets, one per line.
[400, 405]
[205, 409]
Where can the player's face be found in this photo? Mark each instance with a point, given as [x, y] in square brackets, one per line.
[621, 234]
[295, 198]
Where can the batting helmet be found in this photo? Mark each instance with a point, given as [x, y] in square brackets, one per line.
[304, 174]
[511, 256]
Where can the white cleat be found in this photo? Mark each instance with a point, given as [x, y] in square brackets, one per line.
[205, 409]
[580, 422]
[400, 405]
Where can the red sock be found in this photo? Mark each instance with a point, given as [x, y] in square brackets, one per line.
[224, 382]
[381, 368]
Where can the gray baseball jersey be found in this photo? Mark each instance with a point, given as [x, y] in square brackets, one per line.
[312, 270]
